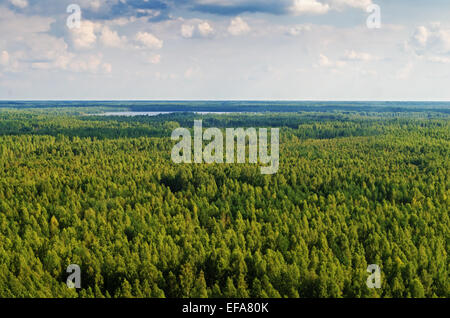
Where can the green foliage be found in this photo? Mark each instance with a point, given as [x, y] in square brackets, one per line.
[351, 190]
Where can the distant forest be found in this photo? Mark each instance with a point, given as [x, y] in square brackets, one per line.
[242, 106]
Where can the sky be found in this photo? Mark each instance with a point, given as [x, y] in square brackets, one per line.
[225, 50]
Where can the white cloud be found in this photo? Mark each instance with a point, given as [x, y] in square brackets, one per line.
[46, 52]
[192, 72]
[33, 46]
[433, 39]
[300, 7]
[429, 43]
[41, 66]
[84, 37]
[238, 26]
[342, 4]
[122, 21]
[420, 36]
[39, 51]
[154, 59]
[205, 28]
[19, 3]
[196, 28]
[298, 29]
[359, 56]
[62, 62]
[14, 26]
[94, 5]
[90, 64]
[27, 42]
[66, 61]
[4, 58]
[107, 68]
[439, 59]
[187, 31]
[148, 12]
[111, 38]
[324, 61]
[149, 40]
[44, 47]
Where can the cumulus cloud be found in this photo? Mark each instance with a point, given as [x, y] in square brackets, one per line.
[154, 59]
[326, 62]
[111, 38]
[15, 26]
[192, 72]
[430, 39]
[42, 51]
[205, 28]
[48, 53]
[19, 3]
[122, 21]
[429, 43]
[4, 58]
[343, 4]
[187, 31]
[298, 29]
[53, 54]
[359, 56]
[420, 37]
[90, 64]
[44, 48]
[106, 68]
[27, 41]
[28, 45]
[439, 59]
[196, 28]
[148, 40]
[300, 7]
[94, 5]
[84, 37]
[238, 26]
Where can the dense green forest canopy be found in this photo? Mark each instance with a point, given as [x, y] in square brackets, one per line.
[353, 188]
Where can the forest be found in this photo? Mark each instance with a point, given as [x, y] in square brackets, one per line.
[353, 188]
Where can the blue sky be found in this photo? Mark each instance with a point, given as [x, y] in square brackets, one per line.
[225, 49]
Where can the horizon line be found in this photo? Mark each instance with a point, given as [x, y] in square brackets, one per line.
[223, 100]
